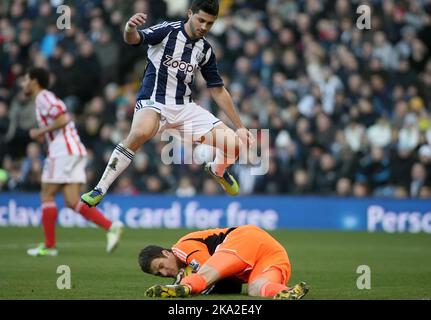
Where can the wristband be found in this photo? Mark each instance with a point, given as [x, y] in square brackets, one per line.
[129, 28]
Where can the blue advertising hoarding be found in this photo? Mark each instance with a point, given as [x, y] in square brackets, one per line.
[269, 212]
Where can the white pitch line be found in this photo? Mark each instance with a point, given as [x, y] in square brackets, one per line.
[13, 246]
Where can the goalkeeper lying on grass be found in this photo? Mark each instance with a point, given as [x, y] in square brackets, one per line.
[219, 261]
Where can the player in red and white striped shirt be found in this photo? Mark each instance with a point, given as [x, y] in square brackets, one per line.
[64, 167]
[65, 140]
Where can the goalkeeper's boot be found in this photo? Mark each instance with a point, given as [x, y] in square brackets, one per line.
[113, 236]
[297, 292]
[42, 251]
[227, 182]
[93, 197]
[168, 291]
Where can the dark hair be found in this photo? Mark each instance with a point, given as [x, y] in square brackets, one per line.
[208, 6]
[148, 254]
[41, 75]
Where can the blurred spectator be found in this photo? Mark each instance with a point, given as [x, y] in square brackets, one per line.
[326, 176]
[125, 186]
[360, 190]
[425, 192]
[31, 162]
[409, 134]
[153, 184]
[302, 185]
[272, 182]
[425, 158]
[401, 192]
[210, 187]
[325, 130]
[185, 188]
[22, 118]
[375, 171]
[402, 161]
[344, 187]
[4, 126]
[380, 133]
[418, 179]
[355, 136]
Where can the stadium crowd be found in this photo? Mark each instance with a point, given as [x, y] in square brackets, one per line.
[349, 109]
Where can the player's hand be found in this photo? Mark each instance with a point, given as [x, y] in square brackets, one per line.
[35, 133]
[246, 137]
[136, 20]
[184, 272]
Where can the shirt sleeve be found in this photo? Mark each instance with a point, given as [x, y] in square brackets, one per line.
[210, 72]
[56, 110]
[192, 253]
[154, 34]
[50, 107]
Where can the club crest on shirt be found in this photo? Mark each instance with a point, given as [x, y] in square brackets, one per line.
[199, 57]
[194, 264]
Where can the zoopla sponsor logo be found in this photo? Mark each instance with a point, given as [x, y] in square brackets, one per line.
[181, 65]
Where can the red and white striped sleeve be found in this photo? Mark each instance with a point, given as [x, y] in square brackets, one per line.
[56, 106]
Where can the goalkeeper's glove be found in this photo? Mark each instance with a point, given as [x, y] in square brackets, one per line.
[184, 272]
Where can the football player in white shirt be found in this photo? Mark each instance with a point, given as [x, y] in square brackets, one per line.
[176, 52]
[64, 167]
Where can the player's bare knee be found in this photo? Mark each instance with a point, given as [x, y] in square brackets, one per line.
[136, 138]
[71, 203]
[47, 198]
[46, 194]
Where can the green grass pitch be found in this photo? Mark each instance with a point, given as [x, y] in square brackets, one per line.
[400, 264]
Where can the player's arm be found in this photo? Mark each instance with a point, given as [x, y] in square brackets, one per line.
[222, 97]
[192, 253]
[131, 34]
[60, 122]
[224, 100]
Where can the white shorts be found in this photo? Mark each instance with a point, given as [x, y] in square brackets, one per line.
[190, 120]
[67, 169]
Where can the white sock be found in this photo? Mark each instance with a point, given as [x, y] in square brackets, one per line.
[119, 161]
[221, 162]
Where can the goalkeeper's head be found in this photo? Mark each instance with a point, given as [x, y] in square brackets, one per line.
[159, 261]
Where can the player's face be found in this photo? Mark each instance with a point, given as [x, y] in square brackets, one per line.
[201, 23]
[166, 266]
[27, 85]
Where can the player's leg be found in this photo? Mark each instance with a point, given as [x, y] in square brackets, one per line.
[114, 229]
[227, 146]
[145, 125]
[49, 218]
[267, 284]
[204, 127]
[71, 193]
[272, 283]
